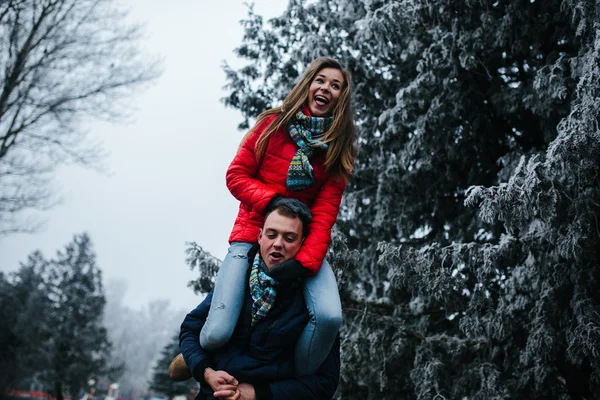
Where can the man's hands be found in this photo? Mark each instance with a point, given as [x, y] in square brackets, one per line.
[224, 385]
[247, 391]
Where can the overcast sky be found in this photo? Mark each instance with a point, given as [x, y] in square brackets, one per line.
[166, 181]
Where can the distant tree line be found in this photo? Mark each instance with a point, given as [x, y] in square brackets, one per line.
[138, 336]
[468, 245]
[207, 266]
[52, 333]
[61, 327]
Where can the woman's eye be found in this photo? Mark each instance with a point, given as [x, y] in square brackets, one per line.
[335, 86]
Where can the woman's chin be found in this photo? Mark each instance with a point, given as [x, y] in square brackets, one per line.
[316, 111]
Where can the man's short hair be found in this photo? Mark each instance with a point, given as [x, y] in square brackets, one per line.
[291, 208]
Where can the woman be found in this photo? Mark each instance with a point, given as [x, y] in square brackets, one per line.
[304, 150]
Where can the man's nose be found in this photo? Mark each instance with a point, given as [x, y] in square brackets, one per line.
[278, 242]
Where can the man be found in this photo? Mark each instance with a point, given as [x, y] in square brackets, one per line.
[258, 361]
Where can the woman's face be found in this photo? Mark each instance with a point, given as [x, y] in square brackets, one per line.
[324, 92]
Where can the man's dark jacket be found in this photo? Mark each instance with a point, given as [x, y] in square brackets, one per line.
[263, 355]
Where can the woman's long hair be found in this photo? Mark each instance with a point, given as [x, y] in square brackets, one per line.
[341, 135]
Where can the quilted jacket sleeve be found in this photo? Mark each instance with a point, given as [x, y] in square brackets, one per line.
[324, 212]
[196, 358]
[241, 173]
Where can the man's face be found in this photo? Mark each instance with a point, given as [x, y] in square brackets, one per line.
[279, 239]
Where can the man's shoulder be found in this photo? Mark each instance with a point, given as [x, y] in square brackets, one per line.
[204, 304]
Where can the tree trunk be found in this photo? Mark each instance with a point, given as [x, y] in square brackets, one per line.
[58, 391]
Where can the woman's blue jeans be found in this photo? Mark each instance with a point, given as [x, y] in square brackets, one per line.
[325, 309]
[228, 296]
[322, 301]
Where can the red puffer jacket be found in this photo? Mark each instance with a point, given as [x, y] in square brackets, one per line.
[255, 182]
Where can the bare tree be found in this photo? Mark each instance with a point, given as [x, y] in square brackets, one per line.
[61, 61]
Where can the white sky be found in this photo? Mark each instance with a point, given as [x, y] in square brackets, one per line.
[167, 168]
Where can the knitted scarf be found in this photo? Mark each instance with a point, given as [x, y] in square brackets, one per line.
[302, 129]
[262, 290]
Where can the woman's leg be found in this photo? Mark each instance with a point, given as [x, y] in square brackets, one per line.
[228, 297]
[325, 309]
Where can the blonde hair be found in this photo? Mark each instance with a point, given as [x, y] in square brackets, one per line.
[341, 135]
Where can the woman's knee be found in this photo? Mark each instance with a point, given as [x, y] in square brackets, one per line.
[329, 318]
[214, 337]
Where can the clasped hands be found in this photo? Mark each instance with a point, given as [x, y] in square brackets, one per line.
[226, 387]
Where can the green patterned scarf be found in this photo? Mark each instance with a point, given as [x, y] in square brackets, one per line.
[302, 129]
[262, 289]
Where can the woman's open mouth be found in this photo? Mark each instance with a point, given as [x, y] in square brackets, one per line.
[321, 100]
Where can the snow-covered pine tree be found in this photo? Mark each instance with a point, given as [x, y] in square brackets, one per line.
[489, 103]
[52, 327]
[161, 384]
[78, 347]
[23, 299]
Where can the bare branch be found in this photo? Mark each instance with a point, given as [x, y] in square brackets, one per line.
[61, 62]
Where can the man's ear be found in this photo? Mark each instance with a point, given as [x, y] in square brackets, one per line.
[259, 235]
